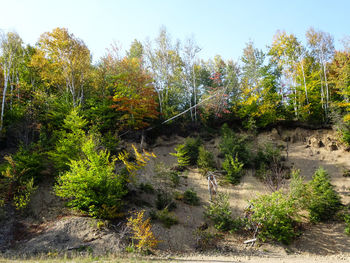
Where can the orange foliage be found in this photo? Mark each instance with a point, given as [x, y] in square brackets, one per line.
[134, 95]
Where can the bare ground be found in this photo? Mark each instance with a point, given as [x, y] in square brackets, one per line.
[318, 243]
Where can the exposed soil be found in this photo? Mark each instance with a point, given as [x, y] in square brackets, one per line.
[53, 230]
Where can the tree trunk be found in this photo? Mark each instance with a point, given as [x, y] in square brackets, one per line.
[302, 69]
[6, 77]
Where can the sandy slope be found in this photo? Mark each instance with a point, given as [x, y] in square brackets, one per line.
[319, 243]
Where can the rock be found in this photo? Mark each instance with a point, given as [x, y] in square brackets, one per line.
[333, 147]
[320, 144]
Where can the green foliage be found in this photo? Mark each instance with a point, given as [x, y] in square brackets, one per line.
[190, 197]
[345, 136]
[299, 193]
[219, 213]
[70, 141]
[235, 145]
[206, 240]
[187, 153]
[205, 160]
[147, 188]
[324, 202]
[165, 217]
[233, 168]
[166, 175]
[275, 214]
[266, 154]
[15, 185]
[91, 184]
[347, 223]
[165, 200]
[29, 161]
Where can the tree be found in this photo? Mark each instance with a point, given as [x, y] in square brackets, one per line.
[70, 140]
[259, 83]
[134, 95]
[322, 46]
[136, 50]
[165, 65]
[91, 183]
[189, 80]
[287, 52]
[11, 54]
[64, 62]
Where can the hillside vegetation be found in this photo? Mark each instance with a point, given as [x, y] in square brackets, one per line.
[114, 157]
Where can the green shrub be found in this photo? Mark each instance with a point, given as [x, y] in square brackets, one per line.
[166, 175]
[165, 200]
[190, 197]
[187, 153]
[17, 178]
[219, 213]
[206, 240]
[324, 202]
[70, 141]
[347, 223]
[165, 217]
[299, 193]
[235, 145]
[147, 188]
[205, 160]
[29, 161]
[233, 168]
[266, 154]
[275, 214]
[91, 184]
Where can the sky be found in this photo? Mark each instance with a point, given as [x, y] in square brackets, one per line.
[219, 27]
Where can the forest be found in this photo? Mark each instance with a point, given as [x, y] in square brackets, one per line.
[67, 120]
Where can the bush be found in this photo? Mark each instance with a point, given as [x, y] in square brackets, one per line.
[28, 161]
[165, 217]
[141, 232]
[190, 197]
[16, 180]
[187, 153]
[165, 200]
[219, 213]
[299, 193]
[347, 223]
[166, 175]
[206, 240]
[234, 169]
[275, 214]
[235, 145]
[91, 183]
[70, 141]
[205, 160]
[324, 202]
[147, 188]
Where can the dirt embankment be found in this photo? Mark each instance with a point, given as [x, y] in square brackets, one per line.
[304, 149]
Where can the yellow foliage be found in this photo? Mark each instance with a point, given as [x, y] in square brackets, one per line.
[141, 160]
[141, 231]
[347, 118]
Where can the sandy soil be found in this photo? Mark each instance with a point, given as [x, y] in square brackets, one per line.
[305, 152]
[318, 243]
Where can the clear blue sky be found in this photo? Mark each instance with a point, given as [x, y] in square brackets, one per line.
[219, 27]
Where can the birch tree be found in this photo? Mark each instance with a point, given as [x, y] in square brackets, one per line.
[11, 52]
[322, 46]
[287, 52]
[164, 63]
[190, 51]
[64, 62]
